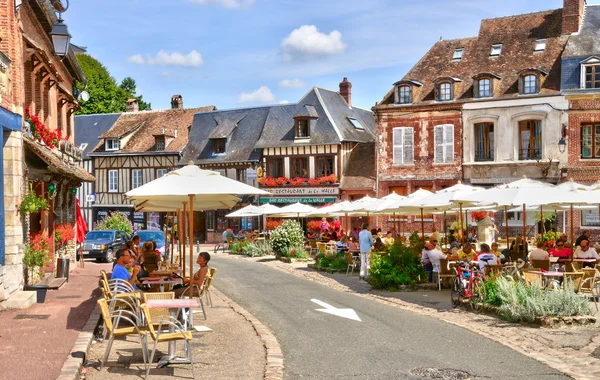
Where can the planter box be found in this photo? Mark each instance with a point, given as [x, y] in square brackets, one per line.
[41, 291]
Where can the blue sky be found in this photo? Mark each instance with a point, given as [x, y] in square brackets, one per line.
[236, 53]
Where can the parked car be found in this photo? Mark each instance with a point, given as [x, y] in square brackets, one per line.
[102, 245]
[156, 236]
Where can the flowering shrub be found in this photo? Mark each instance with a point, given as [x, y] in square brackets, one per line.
[31, 203]
[298, 181]
[281, 180]
[481, 215]
[313, 181]
[63, 233]
[272, 224]
[41, 132]
[270, 182]
[549, 238]
[116, 221]
[332, 178]
[261, 180]
[398, 266]
[36, 255]
[295, 253]
[289, 234]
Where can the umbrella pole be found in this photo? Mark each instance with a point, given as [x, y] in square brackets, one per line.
[572, 235]
[460, 224]
[506, 226]
[172, 236]
[395, 234]
[541, 220]
[191, 293]
[179, 236]
[183, 238]
[466, 232]
[422, 226]
[443, 229]
[524, 228]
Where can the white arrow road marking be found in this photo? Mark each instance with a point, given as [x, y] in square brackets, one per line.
[344, 313]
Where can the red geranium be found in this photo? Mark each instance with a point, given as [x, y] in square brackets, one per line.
[281, 180]
[272, 224]
[63, 234]
[40, 132]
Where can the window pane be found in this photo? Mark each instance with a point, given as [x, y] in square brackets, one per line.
[404, 95]
[324, 166]
[275, 167]
[299, 167]
[529, 84]
[484, 88]
[444, 91]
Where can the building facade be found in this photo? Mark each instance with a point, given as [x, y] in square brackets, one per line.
[137, 148]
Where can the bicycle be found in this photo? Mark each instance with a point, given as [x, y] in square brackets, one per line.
[468, 284]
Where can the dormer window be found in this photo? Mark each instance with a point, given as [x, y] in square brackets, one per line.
[405, 94]
[159, 143]
[540, 45]
[496, 49]
[112, 144]
[444, 91]
[457, 56]
[530, 84]
[592, 76]
[483, 85]
[219, 146]
[302, 129]
[530, 81]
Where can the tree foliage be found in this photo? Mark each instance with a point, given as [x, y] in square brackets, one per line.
[106, 96]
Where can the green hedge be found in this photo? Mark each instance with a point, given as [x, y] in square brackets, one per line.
[397, 266]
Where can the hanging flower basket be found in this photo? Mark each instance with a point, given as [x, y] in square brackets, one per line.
[31, 203]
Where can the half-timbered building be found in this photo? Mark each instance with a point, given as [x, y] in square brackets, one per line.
[139, 147]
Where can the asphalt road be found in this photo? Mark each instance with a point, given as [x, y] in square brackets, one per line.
[387, 343]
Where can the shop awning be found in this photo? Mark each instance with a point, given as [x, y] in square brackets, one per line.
[56, 164]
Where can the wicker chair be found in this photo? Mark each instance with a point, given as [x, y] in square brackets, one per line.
[532, 279]
[589, 283]
[541, 264]
[351, 262]
[444, 271]
[156, 314]
[211, 275]
[574, 277]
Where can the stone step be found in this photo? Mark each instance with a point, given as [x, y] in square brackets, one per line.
[22, 299]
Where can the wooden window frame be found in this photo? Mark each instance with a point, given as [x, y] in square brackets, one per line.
[298, 126]
[156, 173]
[488, 142]
[219, 145]
[160, 143]
[293, 160]
[594, 143]
[438, 91]
[594, 75]
[317, 165]
[109, 188]
[533, 140]
[407, 98]
[240, 175]
[113, 142]
[522, 82]
[133, 171]
[477, 87]
[270, 163]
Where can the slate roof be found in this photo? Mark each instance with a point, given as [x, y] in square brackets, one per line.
[587, 41]
[242, 128]
[517, 34]
[89, 127]
[359, 172]
[332, 125]
[146, 124]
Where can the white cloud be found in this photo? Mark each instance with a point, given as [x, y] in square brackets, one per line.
[307, 42]
[226, 3]
[262, 95]
[284, 102]
[193, 59]
[291, 83]
[137, 59]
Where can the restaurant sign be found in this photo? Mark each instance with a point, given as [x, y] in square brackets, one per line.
[304, 190]
[298, 199]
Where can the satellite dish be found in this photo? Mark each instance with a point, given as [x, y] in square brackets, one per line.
[60, 5]
[84, 96]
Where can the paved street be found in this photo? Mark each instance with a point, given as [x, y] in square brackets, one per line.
[387, 343]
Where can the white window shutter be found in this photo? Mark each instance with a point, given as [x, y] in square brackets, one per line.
[408, 146]
[398, 143]
[449, 143]
[438, 142]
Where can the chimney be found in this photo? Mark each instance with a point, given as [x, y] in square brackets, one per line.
[133, 105]
[346, 91]
[572, 14]
[176, 102]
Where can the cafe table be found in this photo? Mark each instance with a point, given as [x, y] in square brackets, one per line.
[548, 275]
[174, 306]
[160, 281]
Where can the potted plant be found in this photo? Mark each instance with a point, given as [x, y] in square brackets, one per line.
[31, 203]
[34, 259]
[62, 235]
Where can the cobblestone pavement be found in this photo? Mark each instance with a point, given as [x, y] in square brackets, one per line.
[231, 351]
[573, 351]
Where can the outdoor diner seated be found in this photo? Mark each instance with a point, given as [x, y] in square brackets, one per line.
[496, 251]
[434, 256]
[242, 234]
[467, 253]
[538, 253]
[312, 234]
[584, 251]
[228, 233]
[560, 250]
[486, 257]
[585, 235]
[199, 276]
[378, 245]
[342, 245]
[120, 270]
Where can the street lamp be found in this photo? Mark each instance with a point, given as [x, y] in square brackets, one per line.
[562, 145]
[60, 38]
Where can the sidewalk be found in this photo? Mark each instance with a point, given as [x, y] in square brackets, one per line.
[232, 350]
[36, 346]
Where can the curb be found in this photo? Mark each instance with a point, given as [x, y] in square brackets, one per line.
[274, 364]
[72, 366]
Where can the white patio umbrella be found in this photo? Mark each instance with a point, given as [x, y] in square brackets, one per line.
[268, 208]
[294, 210]
[189, 184]
[406, 206]
[249, 210]
[331, 210]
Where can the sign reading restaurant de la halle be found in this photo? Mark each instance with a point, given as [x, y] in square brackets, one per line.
[304, 190]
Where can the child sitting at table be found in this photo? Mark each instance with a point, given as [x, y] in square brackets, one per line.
[342, 245]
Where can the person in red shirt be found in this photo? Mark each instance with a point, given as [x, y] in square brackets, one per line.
[337, 224]
[561, 251]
